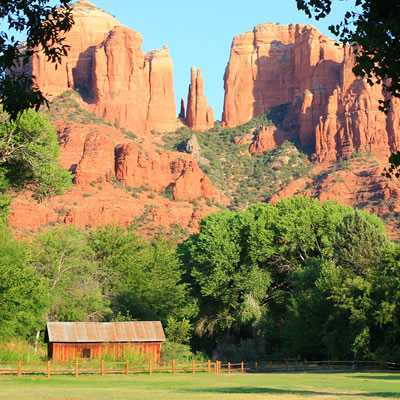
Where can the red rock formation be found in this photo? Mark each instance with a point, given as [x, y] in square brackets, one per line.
[97, 162]
[191, 183]
[106, 64]
[351, 119]
[103, 168]
[267, 139]
[130, 88]
[199, 116]
[336, 112]
[182, 112]
[174, 172]
[91, 27]
[120, 84]
[161, 114]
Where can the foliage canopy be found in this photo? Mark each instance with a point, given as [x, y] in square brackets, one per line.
[29, 156]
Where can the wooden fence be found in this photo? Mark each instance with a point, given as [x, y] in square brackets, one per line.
[102, 367]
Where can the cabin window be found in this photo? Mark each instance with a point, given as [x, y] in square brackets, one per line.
[86, 353]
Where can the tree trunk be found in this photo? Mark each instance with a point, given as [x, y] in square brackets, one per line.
[37, 340]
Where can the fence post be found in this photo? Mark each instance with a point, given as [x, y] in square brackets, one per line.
[270, 366]
[150, 367]
[329, 364]
[19, 367]
[242, 367]
[193, 367]
[256, 366]
[209, 366]
[216, 367]
[382, 365]
[287, 365]
[76, 369]
[127, 368]
[173, 367]
[229, 367]
[48, 368]
[102, 367]
[305, 366]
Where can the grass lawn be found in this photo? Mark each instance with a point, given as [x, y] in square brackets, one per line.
[294, 386]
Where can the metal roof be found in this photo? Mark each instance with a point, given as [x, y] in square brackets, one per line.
[81, 332]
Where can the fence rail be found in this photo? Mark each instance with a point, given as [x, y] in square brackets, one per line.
[102, 367]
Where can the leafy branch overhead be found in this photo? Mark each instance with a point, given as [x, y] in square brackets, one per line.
[394, 168]
[373, 29]
[44, 26]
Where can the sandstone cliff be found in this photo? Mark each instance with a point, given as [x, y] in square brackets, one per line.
[106, 64]
[120, 180]
[335, 112]
[199, 116]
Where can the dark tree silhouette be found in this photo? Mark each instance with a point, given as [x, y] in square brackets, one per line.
[44, 26]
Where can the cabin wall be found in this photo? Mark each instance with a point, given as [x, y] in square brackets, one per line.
[71, 351]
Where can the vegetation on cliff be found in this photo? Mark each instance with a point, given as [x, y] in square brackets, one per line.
[245, 178]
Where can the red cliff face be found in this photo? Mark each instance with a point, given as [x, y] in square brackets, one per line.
[91, 27]
[106, 64]
[199, 116]
[172, 172]
[335, 112]
[351, 119]
[118, 180]
[267, 139]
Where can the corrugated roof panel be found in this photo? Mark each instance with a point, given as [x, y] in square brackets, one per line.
[75, 332]
[140, 331]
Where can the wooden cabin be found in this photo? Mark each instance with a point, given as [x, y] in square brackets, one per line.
[72, 340]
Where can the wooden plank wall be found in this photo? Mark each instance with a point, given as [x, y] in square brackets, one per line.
[72, 351]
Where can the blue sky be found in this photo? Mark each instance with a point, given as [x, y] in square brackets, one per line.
[199, 33]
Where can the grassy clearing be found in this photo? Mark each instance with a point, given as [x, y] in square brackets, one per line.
[203, 386]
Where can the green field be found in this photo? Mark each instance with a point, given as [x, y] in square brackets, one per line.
[203, 386]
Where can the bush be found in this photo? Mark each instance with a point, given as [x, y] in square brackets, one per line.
[176, 351]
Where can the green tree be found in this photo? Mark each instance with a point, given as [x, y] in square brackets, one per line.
[29, 157]
[385, 333]
[64, 259]
[44, 26]
[117, 251]
[332, 303]
[178, 331]
[286, 274]
[23, 295]
[229, 284]
[359, 241]
[142, 279]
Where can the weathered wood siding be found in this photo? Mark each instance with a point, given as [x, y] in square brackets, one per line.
[71, 351]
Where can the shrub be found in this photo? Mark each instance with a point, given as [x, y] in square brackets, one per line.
[176, 351]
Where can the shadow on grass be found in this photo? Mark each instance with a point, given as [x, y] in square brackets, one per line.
[267, 390]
